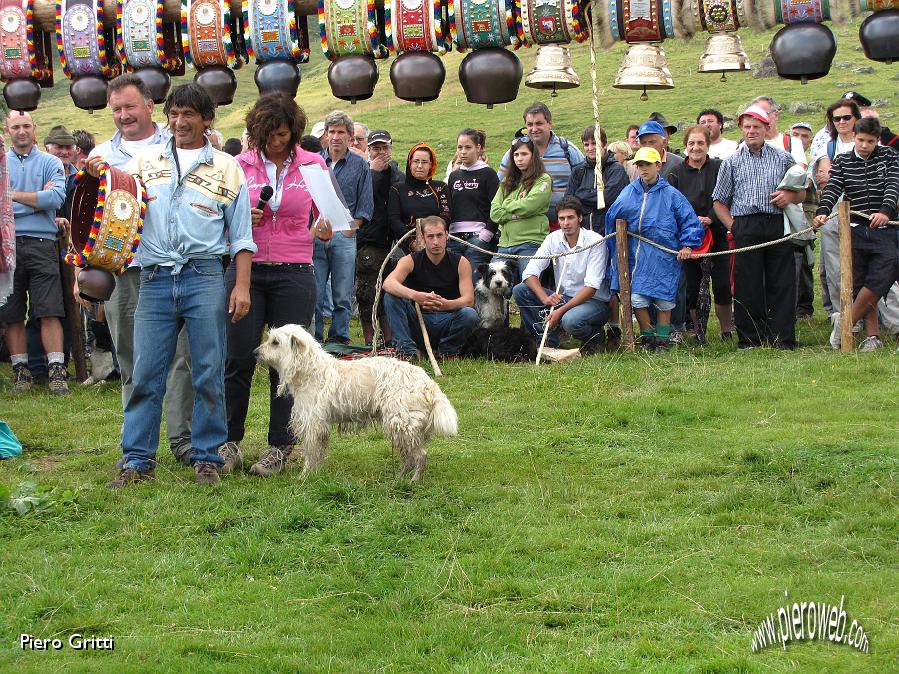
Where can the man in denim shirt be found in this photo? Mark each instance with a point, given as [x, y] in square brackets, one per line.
[336, 258]
[198, 212]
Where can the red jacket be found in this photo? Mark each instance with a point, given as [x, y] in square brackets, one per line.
[283, 236]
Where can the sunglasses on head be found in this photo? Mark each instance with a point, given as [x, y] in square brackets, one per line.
[842, 118]
[521, 140]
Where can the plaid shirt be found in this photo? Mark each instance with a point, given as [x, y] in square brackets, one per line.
[746, 180]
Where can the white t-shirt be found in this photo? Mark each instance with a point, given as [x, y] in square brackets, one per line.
[132, 147]
[187, 158]
[796, 150]
[723, 149]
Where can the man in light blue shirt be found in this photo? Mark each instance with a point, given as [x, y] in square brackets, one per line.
[38, 190]
[132, 111]
[198, 212]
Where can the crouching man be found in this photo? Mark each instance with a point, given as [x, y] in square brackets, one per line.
[582, 303]
[440, 282]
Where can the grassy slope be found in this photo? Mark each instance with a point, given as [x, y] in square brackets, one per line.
[620, 513]
[438, 122]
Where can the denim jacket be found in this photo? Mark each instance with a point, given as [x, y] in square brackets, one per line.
[204, 215]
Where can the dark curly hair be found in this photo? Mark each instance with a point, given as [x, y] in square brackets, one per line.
[270, 112]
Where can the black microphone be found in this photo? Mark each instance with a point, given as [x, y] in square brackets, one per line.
[266, 194]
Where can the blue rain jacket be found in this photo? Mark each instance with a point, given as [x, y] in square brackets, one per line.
[664, 215]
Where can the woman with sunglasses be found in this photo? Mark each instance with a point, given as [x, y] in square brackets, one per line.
[520, 204]
[841, 117]
[418, 196]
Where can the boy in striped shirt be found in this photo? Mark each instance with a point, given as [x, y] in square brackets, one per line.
[867, 177]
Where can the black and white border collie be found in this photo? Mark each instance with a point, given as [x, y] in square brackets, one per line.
[494, 339]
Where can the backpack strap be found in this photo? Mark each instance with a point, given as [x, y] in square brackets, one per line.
[563, 141]
[831, 148]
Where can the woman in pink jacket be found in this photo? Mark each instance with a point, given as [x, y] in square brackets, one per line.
[282, 285]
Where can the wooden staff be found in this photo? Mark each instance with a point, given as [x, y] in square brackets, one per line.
[421, 318]
[72, 308]
[551, 309]
[847, 340]
[624, 284]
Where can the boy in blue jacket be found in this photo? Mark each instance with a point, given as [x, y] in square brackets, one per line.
[655, 210]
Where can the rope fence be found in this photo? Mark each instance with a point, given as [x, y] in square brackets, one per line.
[581, 249]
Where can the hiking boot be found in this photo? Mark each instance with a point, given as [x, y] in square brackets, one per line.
[677, 337]
[663, 345]
[206, 474]
[130, 476]
[835, 333]
[22, 380]
[230, 452]
[871, 343]
[272, 462]
[647, 343]
[57, 379]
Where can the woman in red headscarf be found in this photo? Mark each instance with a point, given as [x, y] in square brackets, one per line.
[418, 196]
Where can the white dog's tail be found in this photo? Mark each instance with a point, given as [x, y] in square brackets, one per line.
[443, 417]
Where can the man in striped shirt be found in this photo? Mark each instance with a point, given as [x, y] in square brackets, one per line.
[868, 177]
[748, 201]
[558, 155]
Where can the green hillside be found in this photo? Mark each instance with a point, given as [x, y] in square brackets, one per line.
[438, 121]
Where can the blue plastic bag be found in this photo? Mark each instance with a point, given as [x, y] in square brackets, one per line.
[9, 443]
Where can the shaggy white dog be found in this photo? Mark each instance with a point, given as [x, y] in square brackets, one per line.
[408, 404]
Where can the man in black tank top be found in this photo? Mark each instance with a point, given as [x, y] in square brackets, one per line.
[440, 282]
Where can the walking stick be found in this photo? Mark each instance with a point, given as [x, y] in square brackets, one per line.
[551, 310]
[421, 319]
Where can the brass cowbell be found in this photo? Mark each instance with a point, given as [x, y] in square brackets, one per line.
[723, 53]
[552, 69]
[644, 66]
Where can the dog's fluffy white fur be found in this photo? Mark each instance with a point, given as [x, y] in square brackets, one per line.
[408, 404]
[101, 367]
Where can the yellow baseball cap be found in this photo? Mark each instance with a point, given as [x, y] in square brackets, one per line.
[647, 154]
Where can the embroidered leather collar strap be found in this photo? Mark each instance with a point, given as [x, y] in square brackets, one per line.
[140, 35]
[483, 23]
[546, 21]
[80, 38]
[412, 25]
[877, 5]
[641, 21]
[789, 12]
[271, 27]
[344, 26]
[107, 219]
[717, 16]
[16, 59]
[206, 33]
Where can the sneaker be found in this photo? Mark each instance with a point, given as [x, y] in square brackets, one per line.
[835, 333]
[233, 457]
[22, 380]
[407, 357]
[130, 476]
[871, 343]
[647, 343]
[57, 379]
[662, 346]
[272, 462]
[206, 474]
[677, 337]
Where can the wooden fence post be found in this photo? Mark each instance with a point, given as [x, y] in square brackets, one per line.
[847, 340]
[624, 285]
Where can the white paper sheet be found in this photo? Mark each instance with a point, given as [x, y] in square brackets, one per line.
[327, 201]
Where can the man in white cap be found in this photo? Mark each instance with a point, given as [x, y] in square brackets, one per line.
[749, 202]
[774, 138]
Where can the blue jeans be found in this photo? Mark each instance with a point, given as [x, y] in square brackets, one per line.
[195, 298]
[447, 330]
[584, 322]
[474, 256]
[518, 265]
[335, 259]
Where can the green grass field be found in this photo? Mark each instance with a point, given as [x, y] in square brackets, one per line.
[622, 513]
